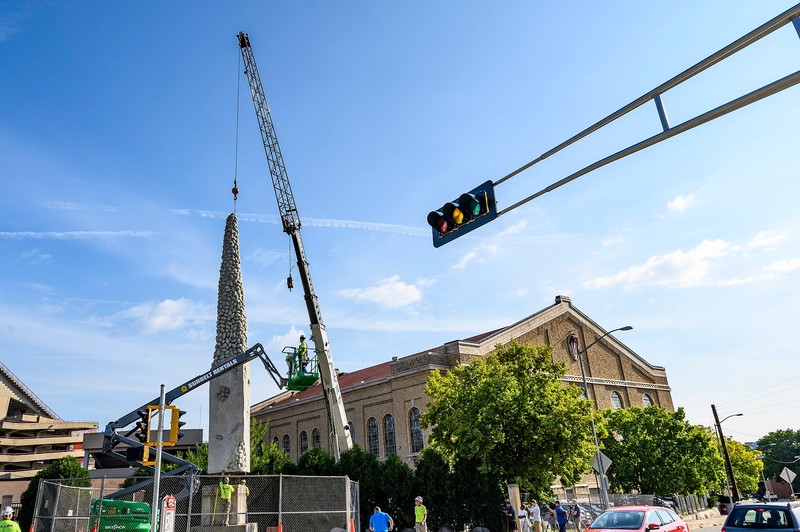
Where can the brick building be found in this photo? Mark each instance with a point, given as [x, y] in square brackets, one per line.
[383, 402]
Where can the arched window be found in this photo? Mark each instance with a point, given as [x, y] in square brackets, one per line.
[287, 444]
[646, 400]
[372, 436]
[303, 442]
[389, 442]
[275, 440]
[315, 438]
[616, 401]
[352, 431]
[415, 429]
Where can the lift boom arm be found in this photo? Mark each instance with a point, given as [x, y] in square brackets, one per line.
[341, 439]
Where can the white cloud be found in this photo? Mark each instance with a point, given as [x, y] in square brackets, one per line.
[516, 228]
[610, 241]
[678, 268]
[168, 315]
[765, 239]
[388, 293]
[35, 256]
[783, 266]
[681, 203]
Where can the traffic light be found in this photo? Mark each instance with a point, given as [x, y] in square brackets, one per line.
[175, 424]
[458, 217]
[143, 425]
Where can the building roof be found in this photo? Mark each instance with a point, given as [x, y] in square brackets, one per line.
[26, 394]
[383, 370]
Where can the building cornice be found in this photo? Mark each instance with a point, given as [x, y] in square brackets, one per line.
[618, 383]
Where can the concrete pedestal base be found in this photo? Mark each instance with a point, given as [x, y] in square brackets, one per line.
[213, 509]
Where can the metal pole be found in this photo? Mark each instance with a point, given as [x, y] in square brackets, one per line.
[157, 474]
[728, 466]
[603, 483]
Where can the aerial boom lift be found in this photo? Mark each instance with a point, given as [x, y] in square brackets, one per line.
[340, 431]
[116, 432]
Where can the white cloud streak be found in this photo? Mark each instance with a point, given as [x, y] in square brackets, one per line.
[681, 203]
[388, 293]
[72, 235]
[694, 268]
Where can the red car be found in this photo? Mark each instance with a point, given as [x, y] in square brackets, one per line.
[641, 518]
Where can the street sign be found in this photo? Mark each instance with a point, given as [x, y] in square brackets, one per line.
[167, 514]
[788, 475]
[600, 458]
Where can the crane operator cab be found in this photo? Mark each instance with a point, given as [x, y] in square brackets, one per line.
[303, 368]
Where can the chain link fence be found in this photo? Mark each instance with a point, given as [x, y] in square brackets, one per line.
[275, 503]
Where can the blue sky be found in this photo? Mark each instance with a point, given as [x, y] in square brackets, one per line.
[118, 151]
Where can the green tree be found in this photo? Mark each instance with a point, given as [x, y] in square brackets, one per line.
[746, 466]
[364, 467]
[640, 441]
[67, 468]
[486, 412]
[316, 462]
[779, 448]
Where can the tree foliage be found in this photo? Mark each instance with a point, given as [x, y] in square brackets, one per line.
[484, 413]
[746, 466]
[655, 451]
[780, 448]
[63, 468]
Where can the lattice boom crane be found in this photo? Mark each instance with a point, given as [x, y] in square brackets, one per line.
[341, 439]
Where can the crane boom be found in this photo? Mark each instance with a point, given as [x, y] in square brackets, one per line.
[287, 209]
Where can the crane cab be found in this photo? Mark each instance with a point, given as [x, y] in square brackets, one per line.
[298, 379]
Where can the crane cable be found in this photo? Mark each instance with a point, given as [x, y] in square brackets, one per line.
[235, 189]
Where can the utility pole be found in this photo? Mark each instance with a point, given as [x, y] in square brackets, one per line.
[728, 467]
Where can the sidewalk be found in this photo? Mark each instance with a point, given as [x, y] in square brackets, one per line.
[703, 519]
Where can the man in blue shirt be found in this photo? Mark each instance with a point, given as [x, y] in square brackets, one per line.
[561, 517]
[380, 521]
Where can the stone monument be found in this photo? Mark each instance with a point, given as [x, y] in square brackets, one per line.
[229, 394]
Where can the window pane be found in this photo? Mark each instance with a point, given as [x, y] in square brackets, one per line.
[303, 442]
[415, 429]
[390, 445]
[616, 401]
[646, 401]
[287, 444]
[315, 438]
[372, 436]
[352, 431]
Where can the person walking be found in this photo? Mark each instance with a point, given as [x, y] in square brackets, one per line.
[225, 492]
[536, 516]
[8, 524]
[420, 516]
[561, 517]
[380, 521]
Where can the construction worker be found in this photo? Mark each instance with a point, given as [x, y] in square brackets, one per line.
[225, 492]
[7, 525]
[302, 353]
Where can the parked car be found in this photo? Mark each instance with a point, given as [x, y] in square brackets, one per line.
[640, 518]
[778, 516]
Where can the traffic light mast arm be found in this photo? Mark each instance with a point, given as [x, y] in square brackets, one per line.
[792, 15]
[287, 209]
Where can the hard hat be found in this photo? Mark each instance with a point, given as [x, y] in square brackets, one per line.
[302, 336]
[418, 498]
[7, 511]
